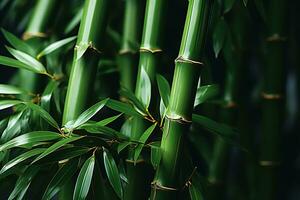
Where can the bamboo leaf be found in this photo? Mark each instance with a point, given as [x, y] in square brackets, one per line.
[23, 182]
[21, 158]
[86, 115]
[136, 102]
[122, 146]
[142, 140]
[228, 4]
[8, 103]
[10, 89]
[56, 146]
[107, 121]
[47, 94]
[103, 130]
[195, 193]
[219, 36]
[43, 113]
[29, 138]
[205, 93]
[56, 45]
[162, 109]
[145, 88]
[63, 175]
[13, 127]
[112, 173]
[226, 132]
[164, 89]
[17, 64]
[17, 43]
[74, 22]
[84, 179]
[28, 60]
[122, 107]
[245, 2]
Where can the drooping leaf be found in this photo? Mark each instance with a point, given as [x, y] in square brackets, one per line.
[245, 2]
[17, 64]
[225, 132]
[142, 140]
[74, 22]
[103, 130]
[107, 121]
[145, 88]
[131, 97]
[10, 89]
[30, 138]
[17, 43]
[164, 89]
[43, 113]
[122, 146]
[56, 146]
[13, 127]
[8, 103]
[205, 93]
[112, 173]
[28, 60]
[86, 115]
[23, 181]
[62, 176]
[84, 179]
[122, 107]
[219, 36]
[21, 158]
[47, 94]
[56, 45]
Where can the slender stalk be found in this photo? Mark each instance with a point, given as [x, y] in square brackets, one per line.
[272, 103]
[150, 53]
[128, 55]
[179, 113]
[83, 70]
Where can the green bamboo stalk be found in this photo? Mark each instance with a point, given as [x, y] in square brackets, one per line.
[86, 56]
[272, 103]
[37, 28]
[150, 54]
[179, 112]
[128, 54]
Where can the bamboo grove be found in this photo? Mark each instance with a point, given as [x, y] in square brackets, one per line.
[149, 99]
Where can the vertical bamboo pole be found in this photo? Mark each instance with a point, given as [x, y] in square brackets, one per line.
[128, 55]
[179, 112]
[272, 100]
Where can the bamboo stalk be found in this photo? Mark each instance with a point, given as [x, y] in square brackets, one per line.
[179, 112]
[272, 100]
[128, 54]
[149, 60]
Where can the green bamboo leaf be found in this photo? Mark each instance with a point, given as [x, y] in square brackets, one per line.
[74, 22]
[136, 102]
[245, 2]
[103, 130]
[107, 121]
[84, 179]
[15, 63]
[155, 154]
[219, 36]
[205, 93]
[112, 173]
[226, 132]
[31, 63]
[127, 127]
[195, 193]
[17, 43]
[228, 4]
[13, 127]
[86, 115]
[23, 182]
[47, 94]
[56, 146]
[29, 138]
[56, 45]
[21, 158]
[9, 103]
[122, 107]
[122, 146]
[145, 88]
[164, 89]
[62, 176]
[142, 140]
[43, 113]
[10, 89]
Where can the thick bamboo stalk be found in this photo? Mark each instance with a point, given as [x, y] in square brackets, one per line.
[150, 53]
[84, 66]
[272, 100]
[179, 112]
[128, 55]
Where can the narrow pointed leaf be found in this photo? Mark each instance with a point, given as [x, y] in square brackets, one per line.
[29, 138]
[28, 60]
[245, 2]
[56, 45]
[107, 121]
[8, 103]
[145, 88]
[112, 173]
[47, 94]
[21, 158]
[13, 127]
[164, 89]
[195, 193]
[10, 89]
[7, 61]
[74, 22]
[84, 179]
[122, 146]
[56, 146]
[205, 93]
[131, 97]
[219, 36]
[63, 175]
[122, 107]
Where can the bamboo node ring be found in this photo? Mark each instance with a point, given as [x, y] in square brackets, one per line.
[28, 35]
[275, 38]
[151, 50]
[269, 163]
[127, 51]
[179, 119]
[158, 186]
[270, 96]
[181, 59]
[135, 162]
